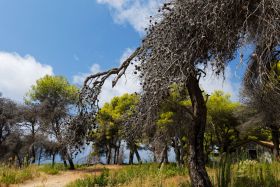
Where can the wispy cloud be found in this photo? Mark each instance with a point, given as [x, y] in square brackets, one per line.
[76, 57]
[134, 12]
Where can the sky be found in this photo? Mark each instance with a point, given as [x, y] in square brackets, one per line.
[75, 38]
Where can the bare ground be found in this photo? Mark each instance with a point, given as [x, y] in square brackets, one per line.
[63, 178]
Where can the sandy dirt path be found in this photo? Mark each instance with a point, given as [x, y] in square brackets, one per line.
[64, 178]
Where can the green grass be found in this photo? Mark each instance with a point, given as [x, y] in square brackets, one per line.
[52, 169]
[250, 173]
[15, 176]
[128, 174]
[11, 175]
[89, 181]
[242, 174]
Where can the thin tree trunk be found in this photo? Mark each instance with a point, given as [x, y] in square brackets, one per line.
[117, 152]
[39, 157]
[275, 140]
[154, 155]
[109, 156]
[198, 174]
[19, 161]
[138, 156]
[164, 157]
[65, 163]
[182, 155]
[53, 159]
[33, 152]
[131, 156]
[71, 163]
[178, 154]
[115, 155]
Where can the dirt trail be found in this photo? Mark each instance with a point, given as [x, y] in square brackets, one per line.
[63, 178]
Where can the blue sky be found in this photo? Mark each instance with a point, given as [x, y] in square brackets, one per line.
[74, 38]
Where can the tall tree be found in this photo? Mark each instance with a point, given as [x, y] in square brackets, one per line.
[171, 125]
[186, 36]
[57, 99]
[8, 117]
[221, 120]
[32, 128]
[111, 128]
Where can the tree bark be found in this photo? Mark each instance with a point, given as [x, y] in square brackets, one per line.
[53, 159]
[164, 156]
[275, 140]
[198, 173]
[109, 156]
[65, 163]
[138, 156]
[39, 157]
[177, 150]
[33, 152]
[71, 163]
[131, 156]
[154, 155]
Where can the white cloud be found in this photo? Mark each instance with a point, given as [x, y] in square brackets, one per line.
[127, 84]
[211, 82]
[18, 73]
[113, 3]
[135, 12]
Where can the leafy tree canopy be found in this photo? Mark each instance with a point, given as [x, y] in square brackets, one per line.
[53, 87]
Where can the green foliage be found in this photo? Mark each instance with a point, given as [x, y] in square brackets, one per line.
[221, 121]
[276, 69]
[111, 119]
[52, 169]
[53, 87]
[173, 117]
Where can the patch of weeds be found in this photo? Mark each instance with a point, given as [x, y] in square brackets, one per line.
[52, 169]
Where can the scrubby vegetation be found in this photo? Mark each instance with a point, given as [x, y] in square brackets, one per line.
[14, 175]
[134, 175]
[241, 174]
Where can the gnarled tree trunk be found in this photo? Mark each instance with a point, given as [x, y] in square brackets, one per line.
[196, 162]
